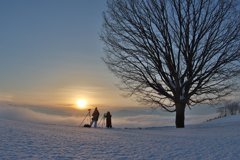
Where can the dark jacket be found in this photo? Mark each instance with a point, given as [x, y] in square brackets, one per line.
[95, 115]
[108, 120]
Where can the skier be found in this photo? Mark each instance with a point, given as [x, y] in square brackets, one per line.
[95, 116]
[108, 117]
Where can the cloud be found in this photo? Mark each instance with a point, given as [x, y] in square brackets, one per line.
[5, 97]
[28, 115]
[144, 121]
[120, 118]
[158, 120]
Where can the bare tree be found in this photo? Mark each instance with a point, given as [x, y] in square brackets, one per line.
[232, 108]
[173, 53]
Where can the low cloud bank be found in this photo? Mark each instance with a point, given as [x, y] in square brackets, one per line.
[157, 121]
[28, 115]
[19, 113]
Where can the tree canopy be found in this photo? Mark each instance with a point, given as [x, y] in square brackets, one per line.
[173, 53]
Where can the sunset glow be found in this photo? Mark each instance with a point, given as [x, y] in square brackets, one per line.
[81, 103]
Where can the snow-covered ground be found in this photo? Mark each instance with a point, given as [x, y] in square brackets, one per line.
[218, 139]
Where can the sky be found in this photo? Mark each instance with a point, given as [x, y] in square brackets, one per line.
[50, 54]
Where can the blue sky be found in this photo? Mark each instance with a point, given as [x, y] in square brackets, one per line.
[51, 53]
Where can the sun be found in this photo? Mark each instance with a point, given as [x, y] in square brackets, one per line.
[81, 103]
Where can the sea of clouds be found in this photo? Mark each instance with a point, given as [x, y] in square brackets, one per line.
[122, 117]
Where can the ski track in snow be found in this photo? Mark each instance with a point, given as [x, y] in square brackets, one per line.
[219, 139]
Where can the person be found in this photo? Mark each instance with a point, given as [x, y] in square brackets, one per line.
[108, 120]
[95, 116]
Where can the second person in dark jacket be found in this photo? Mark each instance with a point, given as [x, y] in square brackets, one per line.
[108, 117]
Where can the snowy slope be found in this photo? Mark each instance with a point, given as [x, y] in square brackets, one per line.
[219, 139]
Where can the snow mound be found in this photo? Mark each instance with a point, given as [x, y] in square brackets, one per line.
[218, 139]
[226, 120]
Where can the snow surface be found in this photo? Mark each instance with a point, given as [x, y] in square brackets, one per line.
[214, 140]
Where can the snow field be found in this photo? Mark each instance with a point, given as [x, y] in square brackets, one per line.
[219, 139]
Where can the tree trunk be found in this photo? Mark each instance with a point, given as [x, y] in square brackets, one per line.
[180, 115]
